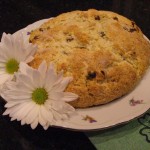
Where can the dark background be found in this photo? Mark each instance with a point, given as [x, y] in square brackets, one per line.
[17, 14]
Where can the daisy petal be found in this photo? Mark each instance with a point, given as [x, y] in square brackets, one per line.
[62, 85]
[26, 80]
[68, 108]
[23, 122]
[33, 114]
[56, 95]
[43, 68]
[37, 77]
[29, 59]
[46, 114]
[20, 97]
[57, 105]
[4, 78]
[68, 96]
[6, 39]
[25, 69]
[24, 109]
[30, 51]
[51, 77]
[46, 127]
[13, 103]
[56, 115]
[42, 121]
[6, 112]
[12, 119]
[34, 123]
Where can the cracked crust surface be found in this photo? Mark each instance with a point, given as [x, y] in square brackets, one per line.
[104, 52]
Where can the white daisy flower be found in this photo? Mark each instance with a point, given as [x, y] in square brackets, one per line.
[13, 50]
[38, 97]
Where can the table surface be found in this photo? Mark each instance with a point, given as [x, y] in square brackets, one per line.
[17, 14]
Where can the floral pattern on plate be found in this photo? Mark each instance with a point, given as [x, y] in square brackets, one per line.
[89, 118]
[133, 102]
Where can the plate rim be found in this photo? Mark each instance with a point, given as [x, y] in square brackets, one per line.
[103, 128]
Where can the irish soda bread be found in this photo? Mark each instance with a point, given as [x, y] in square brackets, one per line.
[104, 52]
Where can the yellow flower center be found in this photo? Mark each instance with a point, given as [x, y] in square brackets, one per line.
[12, 66]
[39, 96]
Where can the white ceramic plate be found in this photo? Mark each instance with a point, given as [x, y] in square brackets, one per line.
[120, 111]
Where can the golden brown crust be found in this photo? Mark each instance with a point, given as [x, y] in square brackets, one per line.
[104, 52]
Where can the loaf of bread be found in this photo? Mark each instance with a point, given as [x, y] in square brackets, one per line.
[105, 53]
